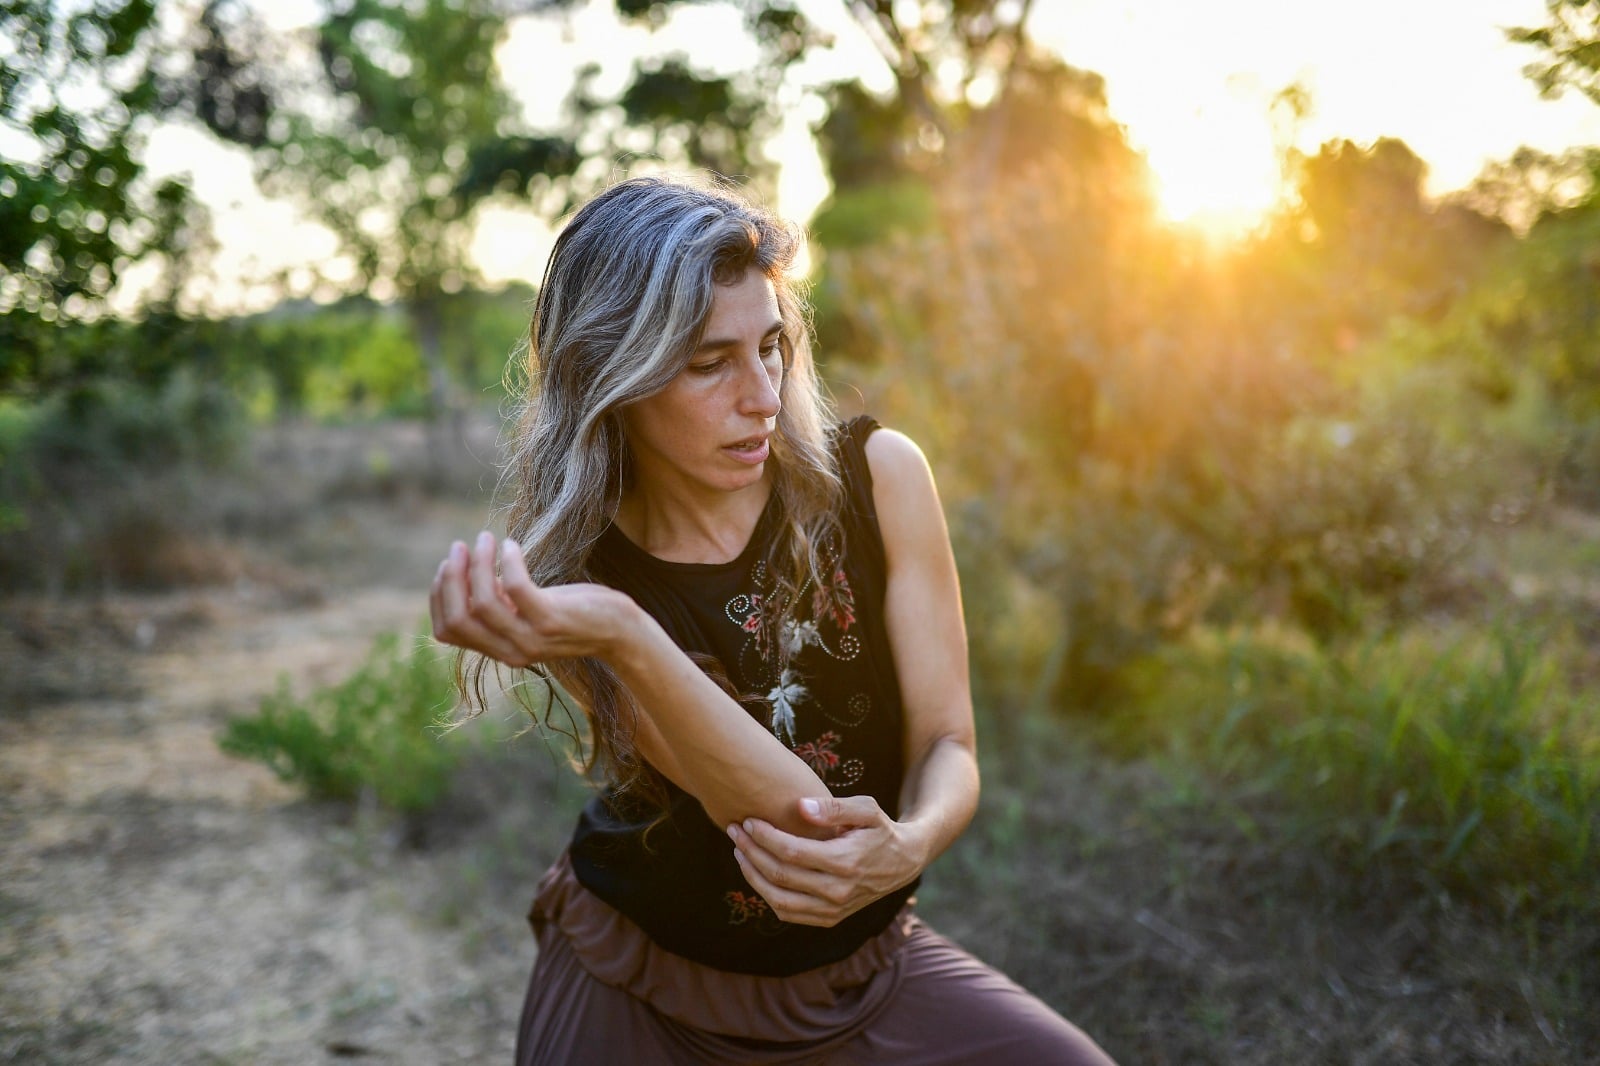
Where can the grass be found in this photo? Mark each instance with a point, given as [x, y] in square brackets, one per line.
[1463, 762]
[1179, 923]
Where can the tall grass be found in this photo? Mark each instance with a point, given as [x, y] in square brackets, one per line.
[1467, 763]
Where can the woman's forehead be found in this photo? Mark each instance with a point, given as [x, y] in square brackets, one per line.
[750, 302]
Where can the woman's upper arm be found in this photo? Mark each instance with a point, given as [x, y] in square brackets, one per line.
[923, 598]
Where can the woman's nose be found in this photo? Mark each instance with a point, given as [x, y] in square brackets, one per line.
[759, 389]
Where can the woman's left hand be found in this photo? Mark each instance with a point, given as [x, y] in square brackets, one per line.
[823, 882]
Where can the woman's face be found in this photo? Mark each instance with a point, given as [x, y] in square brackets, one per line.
[706, 432]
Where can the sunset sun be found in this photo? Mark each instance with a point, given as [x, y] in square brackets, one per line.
[1213, 169]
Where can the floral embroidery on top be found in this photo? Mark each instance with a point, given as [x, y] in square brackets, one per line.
[819, 754]
[744, 906]
[749, 910]
[825, 762]
[797, 636]
[788, 692]
[835, 599]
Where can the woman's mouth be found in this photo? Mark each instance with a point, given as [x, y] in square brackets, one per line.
[749, 451]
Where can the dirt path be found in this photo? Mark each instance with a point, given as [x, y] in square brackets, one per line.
[164, 903]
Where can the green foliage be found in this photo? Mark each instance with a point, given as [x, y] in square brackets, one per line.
[717, 124]
[864, 139]
[376, 732]
[1354, 514]
[1470, 761]
[676, 112]
[853, 218]
[1529, 337]
[99, 481]
[357, 359]
[392, 142]
[412, 92]
[1570, 43]
[77, 86]
[1378, 249]
[483, 332]
[351, 360]
[866, 214]
[17, 422]
[1126, 422]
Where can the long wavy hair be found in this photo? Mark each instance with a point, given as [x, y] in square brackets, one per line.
[622, 308]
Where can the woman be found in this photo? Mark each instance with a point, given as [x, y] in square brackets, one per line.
[757, 610]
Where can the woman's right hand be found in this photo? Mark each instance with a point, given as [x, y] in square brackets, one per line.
[510, 619]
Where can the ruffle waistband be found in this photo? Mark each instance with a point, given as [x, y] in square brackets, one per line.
[813, 1009]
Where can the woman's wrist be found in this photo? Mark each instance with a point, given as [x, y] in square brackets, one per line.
[919, 839]
[627, 643]
[940, 800]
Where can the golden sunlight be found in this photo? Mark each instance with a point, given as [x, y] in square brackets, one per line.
[1214, 168]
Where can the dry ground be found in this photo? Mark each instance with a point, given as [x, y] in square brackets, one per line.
[163, 903]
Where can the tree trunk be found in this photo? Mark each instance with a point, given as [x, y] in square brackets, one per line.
[444, 415]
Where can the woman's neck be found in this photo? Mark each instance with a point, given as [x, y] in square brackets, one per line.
[679, 529]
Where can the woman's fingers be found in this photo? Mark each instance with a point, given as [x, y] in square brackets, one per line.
[435, 597]
[822, 855]
[507, 616]
[489, 604]
[447, 599]
[787, 870]
[454, 620]
[518, 585]
[791, 906]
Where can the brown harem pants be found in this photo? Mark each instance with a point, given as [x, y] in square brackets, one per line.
[602, 993]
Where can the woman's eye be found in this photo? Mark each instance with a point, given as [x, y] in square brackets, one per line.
[706, 368]
[772, 351]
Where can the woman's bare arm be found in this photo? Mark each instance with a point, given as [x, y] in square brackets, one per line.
[928, 634]
[703, 740]
[692, 731]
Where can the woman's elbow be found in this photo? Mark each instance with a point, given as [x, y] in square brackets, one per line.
[779, 807]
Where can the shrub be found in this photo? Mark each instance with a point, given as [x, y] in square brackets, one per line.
[376, 732]
[107, 484]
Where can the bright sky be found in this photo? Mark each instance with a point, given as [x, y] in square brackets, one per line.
[1191, 82]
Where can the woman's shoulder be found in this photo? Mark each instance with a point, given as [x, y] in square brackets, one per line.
[885, 475]
[874, 451]
[905, 500]
[892, 454]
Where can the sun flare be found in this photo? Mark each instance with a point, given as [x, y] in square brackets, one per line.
[1214, 168]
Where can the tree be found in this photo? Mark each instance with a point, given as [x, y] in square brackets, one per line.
[1570, 39]
[677, 113]
[1531, 184]
[81, 89]
[390, 133]
[947, 57]
[1380, 248]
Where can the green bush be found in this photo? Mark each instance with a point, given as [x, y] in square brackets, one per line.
[377, 732]
[1529, 334]
[1467, 762]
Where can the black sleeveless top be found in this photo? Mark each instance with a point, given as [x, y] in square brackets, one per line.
[836, 705]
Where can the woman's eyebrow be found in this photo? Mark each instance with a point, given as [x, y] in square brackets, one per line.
[711, 343]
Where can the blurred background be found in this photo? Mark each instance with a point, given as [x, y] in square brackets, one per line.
[1256, 350]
